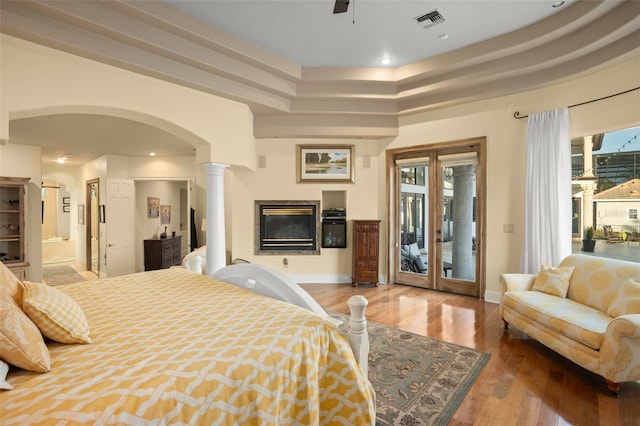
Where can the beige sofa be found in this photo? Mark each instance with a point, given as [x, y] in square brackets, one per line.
[597, 324]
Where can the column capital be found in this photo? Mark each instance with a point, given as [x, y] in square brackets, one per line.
[214, 166]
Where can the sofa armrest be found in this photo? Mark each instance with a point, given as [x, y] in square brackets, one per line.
[517, 282]
[620, 350]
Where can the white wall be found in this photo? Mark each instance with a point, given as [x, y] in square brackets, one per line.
[37, 80]
[277, 181]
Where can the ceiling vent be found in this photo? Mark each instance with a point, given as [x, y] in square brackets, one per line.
[429, 19]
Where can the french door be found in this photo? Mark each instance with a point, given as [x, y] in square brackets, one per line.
[436, 216]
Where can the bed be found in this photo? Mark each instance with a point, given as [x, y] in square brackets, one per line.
[176, 347]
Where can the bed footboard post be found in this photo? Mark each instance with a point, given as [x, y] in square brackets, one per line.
[358, 334]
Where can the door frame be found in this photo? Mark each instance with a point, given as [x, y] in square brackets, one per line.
[477, 144]
[88, 225]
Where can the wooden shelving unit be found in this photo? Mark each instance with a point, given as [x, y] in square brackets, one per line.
[13, 200]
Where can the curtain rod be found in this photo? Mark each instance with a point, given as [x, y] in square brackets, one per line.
[518, 116]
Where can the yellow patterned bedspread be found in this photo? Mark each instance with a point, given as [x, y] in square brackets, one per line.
[174, 347]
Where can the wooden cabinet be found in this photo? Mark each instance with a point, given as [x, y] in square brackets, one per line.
[161, 253]
[366, 242]
[13, 228]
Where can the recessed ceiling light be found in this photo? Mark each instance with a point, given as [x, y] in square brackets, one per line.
[153, 154]
[558, 4]
[443, 36]
[61, 160]
[386, 60]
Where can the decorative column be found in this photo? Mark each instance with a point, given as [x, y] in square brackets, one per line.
[216, 249]
[587, 184]
[463, 265]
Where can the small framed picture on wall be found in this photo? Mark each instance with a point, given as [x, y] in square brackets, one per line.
[165, 215]
[153, 207]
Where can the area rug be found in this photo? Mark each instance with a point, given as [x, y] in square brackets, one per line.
[418, 380]
[60, 274]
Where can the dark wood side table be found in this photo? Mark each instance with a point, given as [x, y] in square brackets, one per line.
[162, 253]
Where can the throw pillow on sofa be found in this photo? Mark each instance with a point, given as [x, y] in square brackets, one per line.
[553, 281]
[626, 301]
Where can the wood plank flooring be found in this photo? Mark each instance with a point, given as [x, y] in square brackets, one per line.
[524, 382]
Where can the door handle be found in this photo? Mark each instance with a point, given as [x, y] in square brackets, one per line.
[109, 245]
[439, 240]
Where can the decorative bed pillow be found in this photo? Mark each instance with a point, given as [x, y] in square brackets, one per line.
[626, 301]
[554, 281]
[56, 314]
[4, 369]
[9, 281]
[21, 343]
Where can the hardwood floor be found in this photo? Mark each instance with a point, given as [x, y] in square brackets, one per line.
[524, 382]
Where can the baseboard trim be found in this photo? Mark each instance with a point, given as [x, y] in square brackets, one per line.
[489, 296]
[321, 279]
[492, 296]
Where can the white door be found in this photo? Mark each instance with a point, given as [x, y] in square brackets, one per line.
[119, 218]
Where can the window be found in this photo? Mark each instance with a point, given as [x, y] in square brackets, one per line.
[413, 175]
[605, 194]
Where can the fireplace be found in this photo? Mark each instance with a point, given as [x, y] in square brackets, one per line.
[287, 227]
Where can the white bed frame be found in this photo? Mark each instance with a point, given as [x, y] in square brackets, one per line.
[273, 284]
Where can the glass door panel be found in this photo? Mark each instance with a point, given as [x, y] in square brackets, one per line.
[457, 232]
[413, 195]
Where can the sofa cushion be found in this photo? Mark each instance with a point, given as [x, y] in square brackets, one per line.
[596, 280]
[553, 281]
[579, 322]
[626, 301]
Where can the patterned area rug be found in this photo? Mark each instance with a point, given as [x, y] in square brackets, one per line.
[60, 274]
[418, 380]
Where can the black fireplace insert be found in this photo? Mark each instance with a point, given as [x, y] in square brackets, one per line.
[287, 227]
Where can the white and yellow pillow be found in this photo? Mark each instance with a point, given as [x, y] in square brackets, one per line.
[56, 314]
[553, 281]
[11, 283]
[626, 301]
[21, 343]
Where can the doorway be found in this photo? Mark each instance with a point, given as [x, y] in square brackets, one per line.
[436, 199]
[92, 226]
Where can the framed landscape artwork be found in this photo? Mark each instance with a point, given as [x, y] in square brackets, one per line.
[325, 163]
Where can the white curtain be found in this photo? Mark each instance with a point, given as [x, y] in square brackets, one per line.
[547, 228]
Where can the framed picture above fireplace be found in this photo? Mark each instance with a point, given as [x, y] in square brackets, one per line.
[325, 163]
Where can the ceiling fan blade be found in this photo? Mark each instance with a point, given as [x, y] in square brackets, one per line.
[341, 6]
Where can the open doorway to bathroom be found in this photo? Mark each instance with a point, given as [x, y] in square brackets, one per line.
[59, 264]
